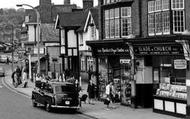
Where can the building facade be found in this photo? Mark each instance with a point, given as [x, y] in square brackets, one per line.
[48, 35]
[144, 50]
[87, 32]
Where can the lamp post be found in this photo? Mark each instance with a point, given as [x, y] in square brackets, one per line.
[38, 31]
[133, 81]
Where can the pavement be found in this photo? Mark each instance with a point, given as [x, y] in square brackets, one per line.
[98, 110]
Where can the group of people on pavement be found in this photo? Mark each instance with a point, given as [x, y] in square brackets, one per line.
[20, 76]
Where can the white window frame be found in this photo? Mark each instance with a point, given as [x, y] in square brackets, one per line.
[155, 7]
[151, 22]
[107, 23]
[165, 23]
[158, 25]
[158, 5]
[112, 25]
[178, 9]
[128, 18]
[117, 26]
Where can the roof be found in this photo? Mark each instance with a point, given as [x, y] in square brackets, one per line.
[53, 12]
[72, 19]
[49, 33]
[85, 15]
[93, 12]
[95, 15]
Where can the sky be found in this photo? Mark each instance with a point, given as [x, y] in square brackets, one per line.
[13, 3]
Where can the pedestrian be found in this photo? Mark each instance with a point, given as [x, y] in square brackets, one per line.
[18, 71]
[91, 92]
[109, 95]
[7, 60]
[38, 80]
[90, 71]
[25, 78]
[14, 77]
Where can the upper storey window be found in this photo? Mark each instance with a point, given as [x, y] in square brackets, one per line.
[178, 15]
[117, 22]
[159, 16]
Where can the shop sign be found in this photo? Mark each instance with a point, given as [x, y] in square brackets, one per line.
[125, 61]
[180, 64]
[158, 50]
[112, 51]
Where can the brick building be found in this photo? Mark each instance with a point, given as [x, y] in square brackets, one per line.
[144, 49]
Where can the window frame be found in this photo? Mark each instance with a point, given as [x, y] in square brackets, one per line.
[180, 9]
[113, 22]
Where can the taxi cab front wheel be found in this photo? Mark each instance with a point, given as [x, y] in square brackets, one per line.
[47, 107]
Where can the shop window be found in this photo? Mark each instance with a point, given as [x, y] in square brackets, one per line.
[172, 80]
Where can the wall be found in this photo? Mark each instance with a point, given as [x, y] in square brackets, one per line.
[187, 10]
[135, 18]
[31, 33]
[72, 38]
[144, 18]
[143, 73]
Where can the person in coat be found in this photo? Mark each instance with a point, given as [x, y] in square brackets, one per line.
[91, 92]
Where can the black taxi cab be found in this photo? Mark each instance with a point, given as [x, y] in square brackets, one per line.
[56, 95]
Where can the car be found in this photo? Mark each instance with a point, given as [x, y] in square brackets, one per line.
[11, 59]
[2, 72]
[56, 95]
[3, 58]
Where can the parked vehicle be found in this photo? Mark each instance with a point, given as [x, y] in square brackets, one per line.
[2, 72]
[3, 58]
[56, 95]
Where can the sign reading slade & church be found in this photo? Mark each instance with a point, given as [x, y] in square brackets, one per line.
[158, 50]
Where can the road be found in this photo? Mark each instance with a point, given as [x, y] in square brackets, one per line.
[15, 106]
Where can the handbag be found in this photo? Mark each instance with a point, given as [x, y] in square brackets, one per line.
[106, 101]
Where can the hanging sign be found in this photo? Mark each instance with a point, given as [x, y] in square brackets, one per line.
[180, 64]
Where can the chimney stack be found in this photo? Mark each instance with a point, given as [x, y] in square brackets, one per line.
[88, 4]
[67, 2]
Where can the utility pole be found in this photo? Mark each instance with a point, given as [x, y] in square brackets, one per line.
[133, 81]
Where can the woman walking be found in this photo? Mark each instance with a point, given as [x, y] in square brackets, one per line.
[91, 92]
[25, 78]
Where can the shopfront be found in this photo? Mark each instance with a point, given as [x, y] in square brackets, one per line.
[160, 74]
[114, 65]
[168, 76]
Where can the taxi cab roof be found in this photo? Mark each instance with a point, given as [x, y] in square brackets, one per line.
[59, 83]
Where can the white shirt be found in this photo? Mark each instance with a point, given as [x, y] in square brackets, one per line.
[38, 78]
[108, 89]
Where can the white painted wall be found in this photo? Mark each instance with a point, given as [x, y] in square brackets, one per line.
[31, 33]
[72, 39]
[87, 37]
[144, 73]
